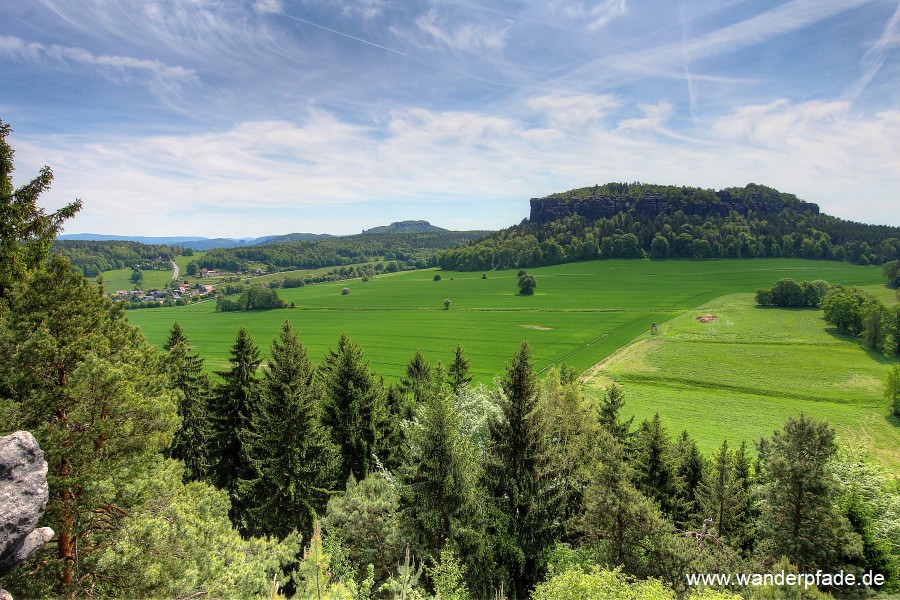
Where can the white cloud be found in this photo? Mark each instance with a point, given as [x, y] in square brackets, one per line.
[262, 177]
[111, 66]
[467, 37]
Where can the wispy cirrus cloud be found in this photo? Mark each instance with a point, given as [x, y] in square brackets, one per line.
[56, 57]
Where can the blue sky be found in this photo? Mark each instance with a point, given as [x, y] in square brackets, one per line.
[252, 117]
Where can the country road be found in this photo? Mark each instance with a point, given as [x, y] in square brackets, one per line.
[174, 270]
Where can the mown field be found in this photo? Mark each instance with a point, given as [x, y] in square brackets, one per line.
[579, 314]
[741, 375]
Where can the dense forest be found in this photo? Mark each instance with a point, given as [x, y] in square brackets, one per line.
[683, 223]
[287, 477]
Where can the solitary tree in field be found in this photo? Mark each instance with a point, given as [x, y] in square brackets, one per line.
[527, 284]
[447, 304]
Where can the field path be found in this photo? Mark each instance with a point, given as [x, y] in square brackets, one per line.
[175, 270]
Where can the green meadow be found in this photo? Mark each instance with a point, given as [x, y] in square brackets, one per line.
[741, 375]
[580, 312]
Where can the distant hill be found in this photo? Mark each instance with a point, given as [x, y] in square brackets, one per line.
[405, 227]
[195, 243]
[637, 220]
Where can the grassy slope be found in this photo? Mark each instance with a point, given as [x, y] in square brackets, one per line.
[580, 313]
[742, 375]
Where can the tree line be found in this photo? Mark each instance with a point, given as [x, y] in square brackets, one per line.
[90, 258]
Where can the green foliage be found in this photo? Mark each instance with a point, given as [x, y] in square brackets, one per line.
[526, 284]
[609, 414]
[892, 389]
[656, 466]
[186, 376]
[598, 583]
[724, 496]
[519, 477]
[354, 408]
[694, 225]
[230, 411]
[365, 520]
[437, 277]
[799, 519]
[402, 585]
[891, 272]
[570, 430]
[26, 231]
[440, 476]
[254, 297]
[178, 542]
[293, 462]
[789, 293]
[458, 372]
[91, 391]
[315, 574]
[448, 577]
[447, 304]
[418, 380]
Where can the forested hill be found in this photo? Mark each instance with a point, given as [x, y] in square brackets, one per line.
[405, 227]
[407, 249]
[620, 220]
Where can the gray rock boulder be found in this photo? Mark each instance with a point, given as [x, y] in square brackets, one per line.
[23, 498]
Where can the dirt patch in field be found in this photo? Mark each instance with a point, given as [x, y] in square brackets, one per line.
[537, 327]
[707, 318]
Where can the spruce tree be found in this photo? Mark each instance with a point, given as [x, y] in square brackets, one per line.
[186, 375]
[519, 478]
[293, 463]
[458, 372]
[354, 408]
[721, 496]
[656, 466]
[610, 407]
[230, 411]
[418, 378]
[440, 475]
[691, 466]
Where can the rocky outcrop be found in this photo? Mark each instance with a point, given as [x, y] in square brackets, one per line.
[23, 498]
[545, 210]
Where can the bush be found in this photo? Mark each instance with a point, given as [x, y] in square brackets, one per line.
[484, 275]
[447, 304]
[437, 278]
[345, 291]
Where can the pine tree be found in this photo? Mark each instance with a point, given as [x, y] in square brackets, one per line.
[90, 390]
[230, 411]
[293, 463]
[187, 377]
[26, 232]
[618, 521]
[799, 517]
[519, 477]
[354, 408]
[458, 372]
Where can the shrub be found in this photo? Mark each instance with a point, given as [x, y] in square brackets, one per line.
[447, 304]
[437, 277]
[345, 291]
[484, 275]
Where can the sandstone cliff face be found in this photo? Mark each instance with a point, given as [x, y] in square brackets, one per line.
[23, 498]
[545, 210]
